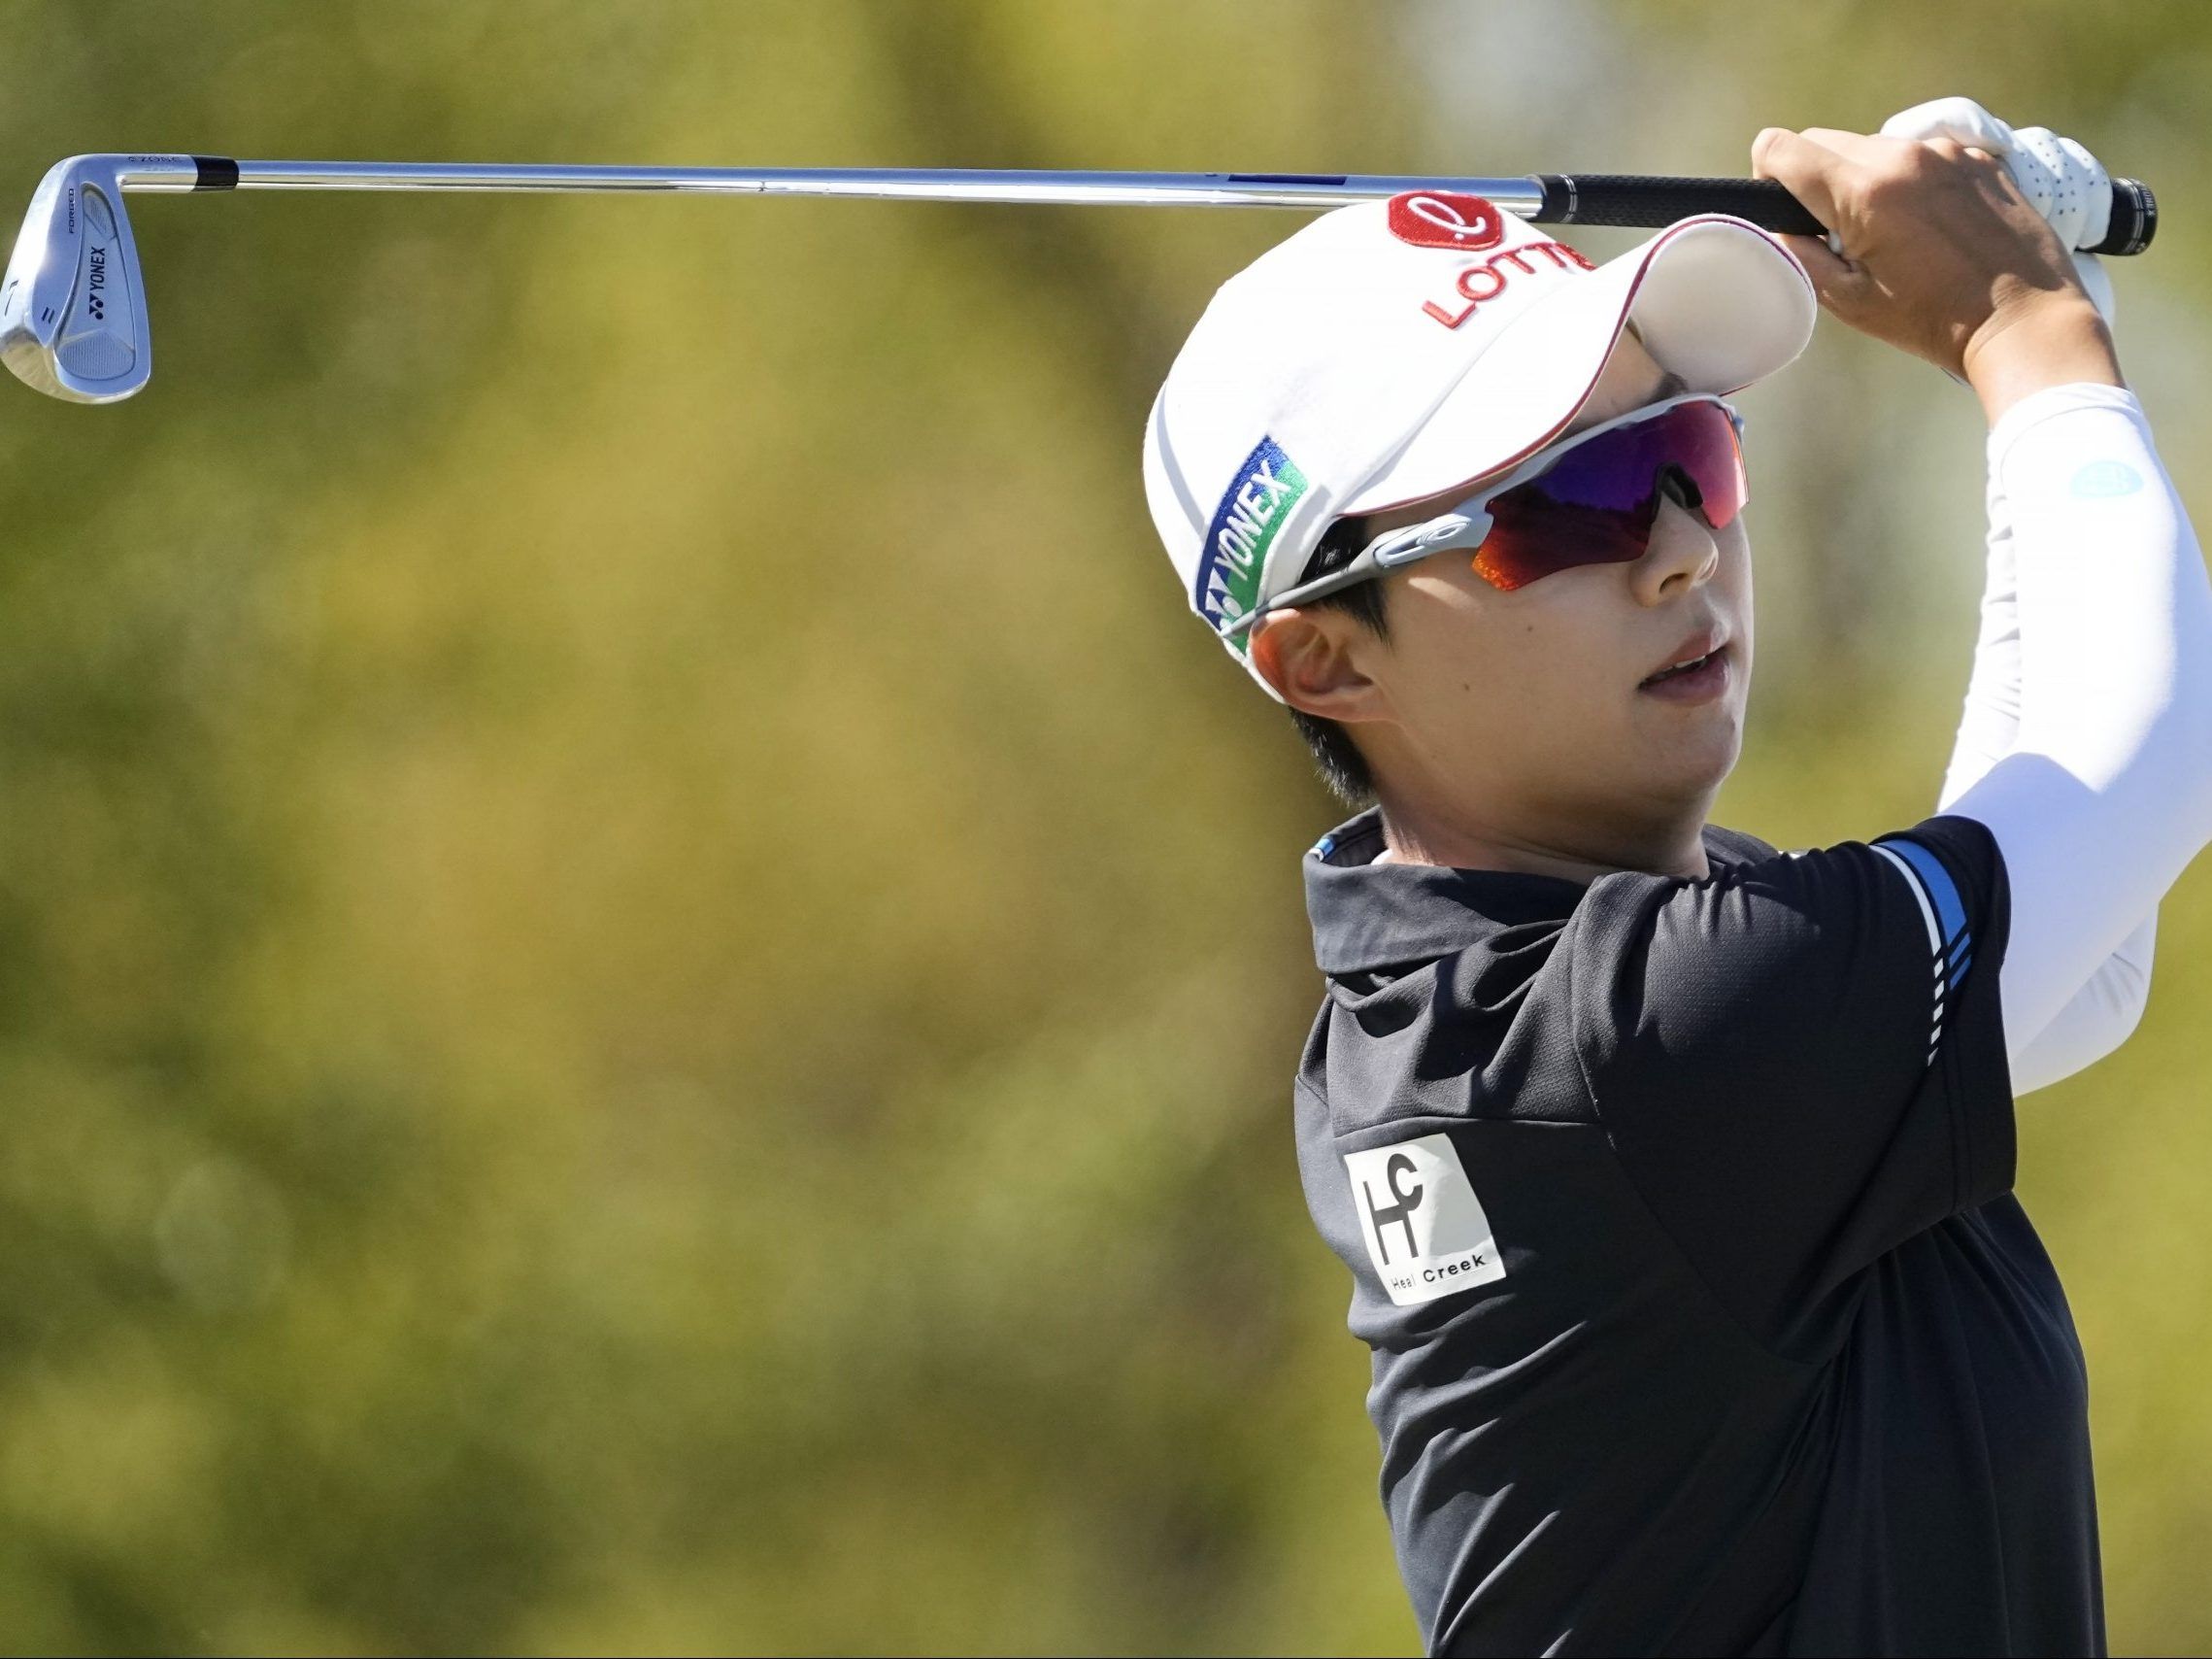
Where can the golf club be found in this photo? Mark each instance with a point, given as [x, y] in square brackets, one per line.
[73, 319]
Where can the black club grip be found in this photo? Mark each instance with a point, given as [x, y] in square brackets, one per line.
[1626, 199]
[1634, 200]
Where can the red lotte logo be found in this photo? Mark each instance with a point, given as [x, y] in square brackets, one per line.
[1485, 280]
[1468, 224]
[1438, 218]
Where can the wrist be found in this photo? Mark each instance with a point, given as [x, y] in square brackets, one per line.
[2044, 340]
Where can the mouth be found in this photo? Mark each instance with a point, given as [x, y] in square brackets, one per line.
[1697, 671]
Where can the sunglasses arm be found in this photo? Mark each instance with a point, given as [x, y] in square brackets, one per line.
[1387, 552]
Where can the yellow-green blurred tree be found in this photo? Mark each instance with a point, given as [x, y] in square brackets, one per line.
[646, 976]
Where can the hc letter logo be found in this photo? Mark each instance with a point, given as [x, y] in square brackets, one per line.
[1399, 1214]
[1425, 1229]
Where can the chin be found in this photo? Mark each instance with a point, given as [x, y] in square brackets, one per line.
[1698, 765]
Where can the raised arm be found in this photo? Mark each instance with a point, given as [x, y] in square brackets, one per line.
[2106, 791]
[2064, 182]
[2105, 1011]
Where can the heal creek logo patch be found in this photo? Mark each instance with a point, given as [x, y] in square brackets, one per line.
[1426, 1229]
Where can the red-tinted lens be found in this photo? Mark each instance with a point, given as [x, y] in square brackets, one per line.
[1597, 502]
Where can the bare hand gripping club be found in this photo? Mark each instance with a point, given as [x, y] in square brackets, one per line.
[73, 305]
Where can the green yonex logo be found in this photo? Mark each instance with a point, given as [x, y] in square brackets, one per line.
[1253, 511]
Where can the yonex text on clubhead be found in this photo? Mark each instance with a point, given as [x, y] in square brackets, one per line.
[71, 302]
[73, 319]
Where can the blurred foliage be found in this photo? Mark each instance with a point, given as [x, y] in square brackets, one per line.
[647, 974]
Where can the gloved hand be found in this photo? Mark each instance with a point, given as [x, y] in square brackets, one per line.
[2064, 182]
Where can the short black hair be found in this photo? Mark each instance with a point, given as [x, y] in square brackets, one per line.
[1342, 766]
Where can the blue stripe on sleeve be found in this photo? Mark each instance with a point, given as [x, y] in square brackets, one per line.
[1942, 893]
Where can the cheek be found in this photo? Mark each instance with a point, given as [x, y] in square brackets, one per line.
[1505, 663]
[1736, 582]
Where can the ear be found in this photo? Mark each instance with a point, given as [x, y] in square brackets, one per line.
[1317, 662]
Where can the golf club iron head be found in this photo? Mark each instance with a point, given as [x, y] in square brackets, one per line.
[72, 307]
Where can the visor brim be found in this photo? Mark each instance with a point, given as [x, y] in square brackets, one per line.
[1716, 301]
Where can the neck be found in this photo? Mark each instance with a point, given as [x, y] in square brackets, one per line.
[1579, 848]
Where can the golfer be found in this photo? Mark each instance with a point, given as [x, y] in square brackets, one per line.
[1674, 1173]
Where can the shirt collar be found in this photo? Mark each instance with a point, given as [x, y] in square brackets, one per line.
[1369, 916]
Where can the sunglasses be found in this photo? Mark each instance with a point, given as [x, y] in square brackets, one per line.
[1591, 500]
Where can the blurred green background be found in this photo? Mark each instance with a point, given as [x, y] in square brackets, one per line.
[648, 974]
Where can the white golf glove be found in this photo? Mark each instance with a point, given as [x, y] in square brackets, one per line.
[2061, 179]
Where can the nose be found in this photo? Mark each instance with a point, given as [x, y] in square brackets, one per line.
[1681, 557]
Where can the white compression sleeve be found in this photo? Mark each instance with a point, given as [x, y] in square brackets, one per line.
[2101, 1016]
[2107, 793]
[1989, 725]
[2104, 1012]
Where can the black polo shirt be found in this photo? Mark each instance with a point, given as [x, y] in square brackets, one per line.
[1680, 1226]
